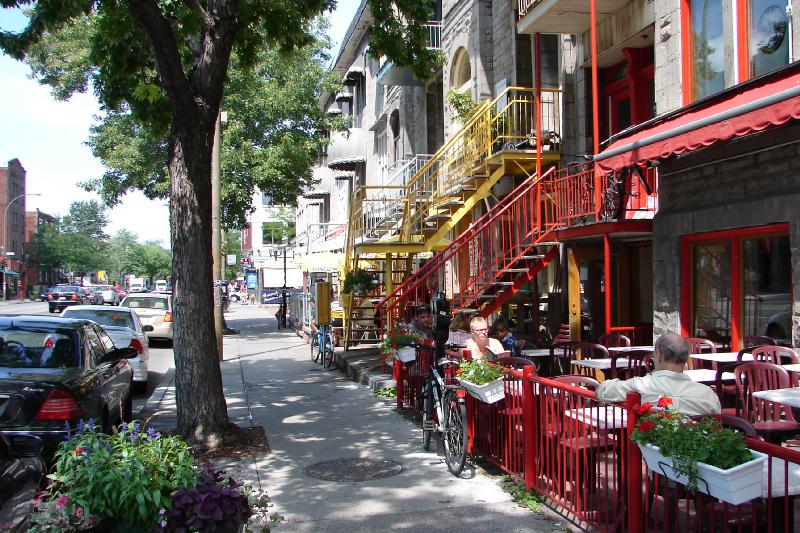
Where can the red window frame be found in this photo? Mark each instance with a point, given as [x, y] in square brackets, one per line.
[735, 236]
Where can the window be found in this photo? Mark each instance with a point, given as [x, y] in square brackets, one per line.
[737, 283]
[768, 39]
[707, 48]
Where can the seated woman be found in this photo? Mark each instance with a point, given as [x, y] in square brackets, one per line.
[502, 333]
[459, 329]
[480, 344]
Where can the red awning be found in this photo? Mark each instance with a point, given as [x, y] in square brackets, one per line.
[756, 106]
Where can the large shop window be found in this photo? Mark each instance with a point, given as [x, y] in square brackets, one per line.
[768, 38]
[739, 284]
[707, 47]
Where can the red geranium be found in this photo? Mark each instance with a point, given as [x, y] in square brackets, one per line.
[646, 425]
[664, 402]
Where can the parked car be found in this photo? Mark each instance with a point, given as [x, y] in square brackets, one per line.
[110, 296]
[63, 296]
[154, 310]
[95, 295]
[21, 473]
[161, 285]
[57, 371]
[125, 328]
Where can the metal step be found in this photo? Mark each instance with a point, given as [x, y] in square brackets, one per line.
[516, 270]
[437, 216]
[468, 310]
[453, 202]
[487, 296]
[547, 243]
[531, 257]
[502, 283]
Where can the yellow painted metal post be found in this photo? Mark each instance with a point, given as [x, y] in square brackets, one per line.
[574, 295]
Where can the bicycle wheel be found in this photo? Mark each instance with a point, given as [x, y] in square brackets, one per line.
[454, 432]
[428, 422]
[314, 347]
[328, 358]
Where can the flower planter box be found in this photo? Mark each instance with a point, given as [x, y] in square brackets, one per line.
[405, 354]
[736, 485]
[490, 393]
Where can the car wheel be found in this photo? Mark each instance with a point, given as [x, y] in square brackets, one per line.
[127, 406]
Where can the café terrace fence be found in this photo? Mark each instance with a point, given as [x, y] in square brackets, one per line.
[564, 444]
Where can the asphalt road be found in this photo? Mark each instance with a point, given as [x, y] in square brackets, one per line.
[161, 358]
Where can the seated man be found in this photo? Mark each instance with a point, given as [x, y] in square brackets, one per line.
[481, 345]
[670, 355]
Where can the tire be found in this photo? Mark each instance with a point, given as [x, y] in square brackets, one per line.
[329, 354]
[427, 416]
[314, 348]
[127, 408]
[454, 433]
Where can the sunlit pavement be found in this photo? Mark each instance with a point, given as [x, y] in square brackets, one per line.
[311, 415]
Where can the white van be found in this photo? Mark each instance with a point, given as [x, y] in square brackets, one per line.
[161, 285]
[137, 285]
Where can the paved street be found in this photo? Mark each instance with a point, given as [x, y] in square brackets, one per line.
[311, 416]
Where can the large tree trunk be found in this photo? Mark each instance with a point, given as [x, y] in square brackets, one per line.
[202, 412]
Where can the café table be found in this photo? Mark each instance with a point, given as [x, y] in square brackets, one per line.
[628, 348]
[545, 355]
[602, 363]
[722, 357]
[707, 375]
[605, 417]
[789, 396]
[794, 367]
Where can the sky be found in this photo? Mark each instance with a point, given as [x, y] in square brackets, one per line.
[48, 137]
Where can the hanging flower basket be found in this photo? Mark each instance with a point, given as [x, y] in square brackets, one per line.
[405, 354]
[489, 393]
[735, 485]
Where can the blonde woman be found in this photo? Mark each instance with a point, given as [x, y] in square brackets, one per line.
[480, 344]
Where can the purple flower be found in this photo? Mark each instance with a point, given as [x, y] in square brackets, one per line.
[68, 436]
[79, 427]
[90, 424]
[152, 433]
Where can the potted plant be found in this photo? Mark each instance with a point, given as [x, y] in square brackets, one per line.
[357, 281]
[482, 380]
[398, 343]
[703, 455]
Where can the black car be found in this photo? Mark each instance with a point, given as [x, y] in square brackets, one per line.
[21, 473]
[63, 296]
[55, 372]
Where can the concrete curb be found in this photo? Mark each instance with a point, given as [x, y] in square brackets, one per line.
[360, 367]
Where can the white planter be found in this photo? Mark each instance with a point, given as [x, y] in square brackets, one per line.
[736, 485]
[405, 354]
[490, 393]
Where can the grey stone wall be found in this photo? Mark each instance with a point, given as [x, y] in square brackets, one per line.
[746, 182]
[667, 56]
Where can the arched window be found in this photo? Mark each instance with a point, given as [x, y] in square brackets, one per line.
[461, 71]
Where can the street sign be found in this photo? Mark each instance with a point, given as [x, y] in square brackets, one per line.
[11, 253]
[230, 259]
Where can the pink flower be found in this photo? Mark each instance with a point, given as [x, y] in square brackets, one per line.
[79, 512]
[37, 501]
[61, 501]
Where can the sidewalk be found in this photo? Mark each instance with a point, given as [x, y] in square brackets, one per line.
[313, 416]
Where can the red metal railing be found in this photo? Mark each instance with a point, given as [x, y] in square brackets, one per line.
[409, 378]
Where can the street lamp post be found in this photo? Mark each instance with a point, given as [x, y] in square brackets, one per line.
[5, 235]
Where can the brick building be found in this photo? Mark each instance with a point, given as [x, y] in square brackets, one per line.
[35, 279]
[12, 223]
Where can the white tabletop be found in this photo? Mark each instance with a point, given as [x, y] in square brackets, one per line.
[602, 416]
[706, 375]
[790, 396]
[602, 363]
[781, 483]
[537, 352]
[629, 348]
[722, 357]
[792, 367]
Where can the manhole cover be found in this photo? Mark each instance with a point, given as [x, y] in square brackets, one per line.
[354, 469]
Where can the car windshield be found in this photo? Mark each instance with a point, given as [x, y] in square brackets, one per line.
[137, 302]
[66, 288]
[38, 347]
[103, 317]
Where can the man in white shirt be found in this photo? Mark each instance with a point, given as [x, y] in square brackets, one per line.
[670, 356]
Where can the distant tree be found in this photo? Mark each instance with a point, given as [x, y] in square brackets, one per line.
[48, 248]
[156, 261]
[232, 245]
[81, 253]
[123, 253]
[88, 218]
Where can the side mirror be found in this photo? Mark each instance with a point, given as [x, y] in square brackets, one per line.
[121, 353]
[147, 328]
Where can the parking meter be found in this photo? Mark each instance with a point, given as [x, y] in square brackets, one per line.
[440, 308]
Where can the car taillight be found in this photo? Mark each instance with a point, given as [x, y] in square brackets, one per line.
[49, 342]
[168, 316]
[138, 345]
[59, 405]
[74, 297]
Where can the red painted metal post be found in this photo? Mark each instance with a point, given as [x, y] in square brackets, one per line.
[607, 276]
[397, 374]
[529, 427]
[595, 101]
[634, 470]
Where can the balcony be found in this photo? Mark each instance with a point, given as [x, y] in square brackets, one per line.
[389, 74]
[562, 16]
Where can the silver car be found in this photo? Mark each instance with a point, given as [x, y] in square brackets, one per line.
[110, 296]
[155, 310]
[125, 328]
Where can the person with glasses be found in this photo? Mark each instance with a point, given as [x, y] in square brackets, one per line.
[481, 345]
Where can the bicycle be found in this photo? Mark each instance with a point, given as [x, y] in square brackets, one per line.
[444, 411]
[322, 343]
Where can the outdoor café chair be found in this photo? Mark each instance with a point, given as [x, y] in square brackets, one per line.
[772, 420]
[639, 363]
[751, 341]
[614, 340]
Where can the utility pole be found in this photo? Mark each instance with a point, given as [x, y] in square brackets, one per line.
[283, 295]
[216, 244]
